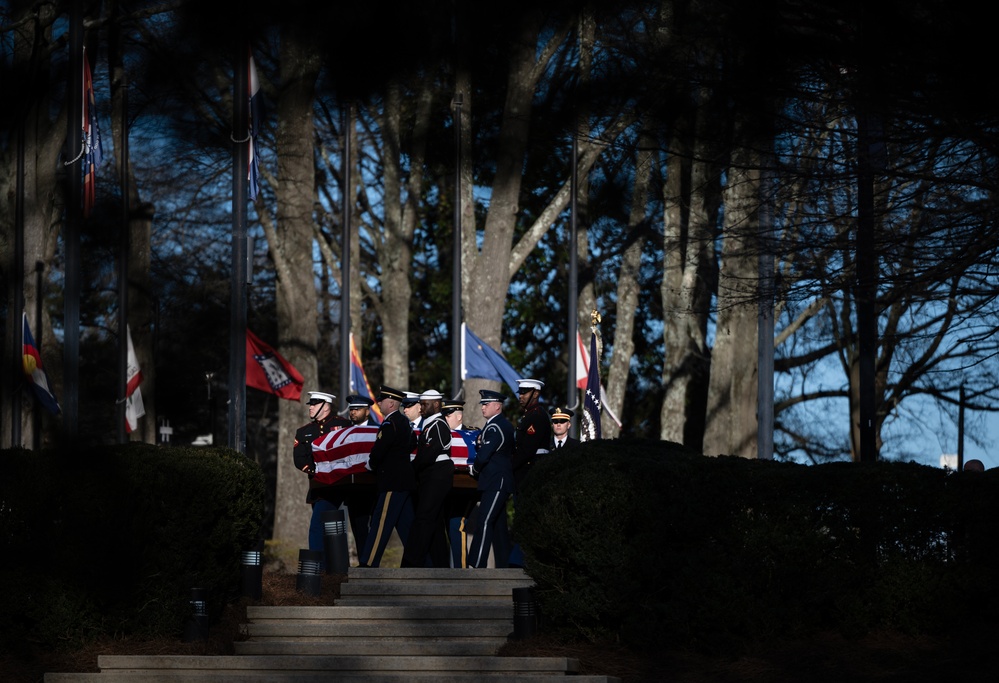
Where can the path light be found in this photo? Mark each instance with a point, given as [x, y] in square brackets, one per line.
[525, 613]
[253, 572]
[197, 626]
[309, 572]
[335, 542]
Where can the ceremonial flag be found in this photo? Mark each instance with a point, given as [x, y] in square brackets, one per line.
[359, 381]
[583, 375]
[267, 371]
[35, 372]
[590, 428]
[134, 408]
[93, 152]
[256, 113]
[478, 359]
[346, 451]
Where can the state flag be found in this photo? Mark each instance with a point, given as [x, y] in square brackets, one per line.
[34, 371]
[268, 371]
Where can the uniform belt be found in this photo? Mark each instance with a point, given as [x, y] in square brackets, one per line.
[442, 458]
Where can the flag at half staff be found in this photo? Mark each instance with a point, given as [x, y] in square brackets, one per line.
[34, 371]
[93, 152]
[268, 371]
[478, 359]
[134, 408]
[256, 112]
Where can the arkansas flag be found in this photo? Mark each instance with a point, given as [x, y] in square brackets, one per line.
[267, 371]
[134, 409]
[33, 369]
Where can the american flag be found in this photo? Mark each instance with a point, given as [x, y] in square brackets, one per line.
[346, 451]
[93, 153]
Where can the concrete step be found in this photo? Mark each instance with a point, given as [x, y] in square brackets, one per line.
[263, 614]
[409, 587]
[323, 677]
[148, 667]
[431, 647]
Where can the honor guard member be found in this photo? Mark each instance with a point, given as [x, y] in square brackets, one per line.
[320, 497]
[460, 501]
[534, 439]
[534, 432]
[395, 478]
[493, 467]
[411, 409]
[359, 410]
[561, 421]
[434, 479]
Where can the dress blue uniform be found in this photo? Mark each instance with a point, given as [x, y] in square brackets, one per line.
[494, 469]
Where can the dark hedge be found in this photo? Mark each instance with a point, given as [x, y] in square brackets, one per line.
[660, 546]
[112, 540]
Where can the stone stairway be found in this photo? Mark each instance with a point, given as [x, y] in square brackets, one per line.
[388, 626]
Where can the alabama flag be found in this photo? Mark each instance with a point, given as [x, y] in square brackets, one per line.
[268, 371]
[134, 409]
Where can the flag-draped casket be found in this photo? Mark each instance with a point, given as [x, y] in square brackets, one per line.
[345, 452]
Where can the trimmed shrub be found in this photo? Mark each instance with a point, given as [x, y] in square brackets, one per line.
[112, 540]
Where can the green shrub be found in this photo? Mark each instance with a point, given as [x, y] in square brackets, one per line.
[657, 545]
[121, 534]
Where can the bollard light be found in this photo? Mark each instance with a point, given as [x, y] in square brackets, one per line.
[335, 542]
[310, 572]
[525, 613]
[197, 626]
[253, 572]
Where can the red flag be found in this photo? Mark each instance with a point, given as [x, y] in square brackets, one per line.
[268, 371]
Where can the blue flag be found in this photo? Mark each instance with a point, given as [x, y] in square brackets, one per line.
[256, 113]
[480, 360]
[590, 428]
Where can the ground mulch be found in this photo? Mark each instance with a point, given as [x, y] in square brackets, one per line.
[832, 658]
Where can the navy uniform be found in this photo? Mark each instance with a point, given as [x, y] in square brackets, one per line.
[561, 418]
[434, 477]
[320, 496]
[493, 467]
[359, 410]
[389, 460]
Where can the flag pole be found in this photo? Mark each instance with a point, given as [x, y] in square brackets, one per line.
[572, 395]
[237, 290]
[348, 121]
[71, 306]
[123, 269]
[456, 317]
[17, 331]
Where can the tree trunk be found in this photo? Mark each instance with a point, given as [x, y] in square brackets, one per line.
[296, 288]
[628, 287]
[730, 427]
[688, 275]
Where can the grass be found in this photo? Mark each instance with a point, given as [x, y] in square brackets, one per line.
[877, 657]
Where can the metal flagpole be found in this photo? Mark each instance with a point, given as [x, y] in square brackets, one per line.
[123, 270]
[572, 395]
[237, 322]
[765, 320]
[456, 316]
[348, 121]
[71, 241]
[16, 322]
